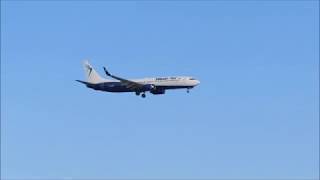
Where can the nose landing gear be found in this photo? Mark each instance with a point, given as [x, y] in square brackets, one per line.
[188, 90]
[143, 95]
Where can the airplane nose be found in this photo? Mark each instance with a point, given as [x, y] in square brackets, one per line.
[197, 82]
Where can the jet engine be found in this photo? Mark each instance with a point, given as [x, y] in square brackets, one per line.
[149, 87]
[158, 91]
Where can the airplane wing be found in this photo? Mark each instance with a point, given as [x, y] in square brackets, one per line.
[129, 84]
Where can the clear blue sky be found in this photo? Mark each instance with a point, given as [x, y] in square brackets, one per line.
[254, 115]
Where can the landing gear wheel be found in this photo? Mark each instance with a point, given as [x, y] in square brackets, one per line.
[143, 95]
[188, 90]
[138, 93]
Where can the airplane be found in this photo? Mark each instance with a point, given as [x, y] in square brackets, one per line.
[155, 86]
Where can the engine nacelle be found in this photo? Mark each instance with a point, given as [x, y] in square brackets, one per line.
[158, 91]
[149, 87]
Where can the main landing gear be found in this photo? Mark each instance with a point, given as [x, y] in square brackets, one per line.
[143, 95]
[188, 90]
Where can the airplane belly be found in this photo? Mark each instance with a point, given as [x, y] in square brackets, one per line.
[115, 87]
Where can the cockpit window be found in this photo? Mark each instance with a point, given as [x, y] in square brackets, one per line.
[192, 79]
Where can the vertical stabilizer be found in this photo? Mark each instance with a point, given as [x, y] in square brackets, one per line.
[91, 74]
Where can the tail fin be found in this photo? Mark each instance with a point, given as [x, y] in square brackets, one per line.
[91, 75]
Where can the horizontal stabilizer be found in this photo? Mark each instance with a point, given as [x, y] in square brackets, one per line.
[83, 82]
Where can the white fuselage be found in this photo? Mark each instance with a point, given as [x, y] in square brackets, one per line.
[166, 81]
[170, 81]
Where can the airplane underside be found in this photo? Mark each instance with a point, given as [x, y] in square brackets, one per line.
[115, 87]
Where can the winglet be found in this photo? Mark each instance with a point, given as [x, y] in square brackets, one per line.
[106, 71]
